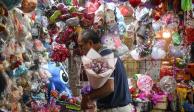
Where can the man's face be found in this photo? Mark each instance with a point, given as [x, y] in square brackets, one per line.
[85, 46]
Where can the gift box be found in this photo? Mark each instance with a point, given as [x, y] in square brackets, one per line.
[162, 104]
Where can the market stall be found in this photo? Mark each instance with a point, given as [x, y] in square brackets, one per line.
[43, 70]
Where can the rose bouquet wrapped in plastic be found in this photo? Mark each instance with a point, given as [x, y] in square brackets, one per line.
[98, 68]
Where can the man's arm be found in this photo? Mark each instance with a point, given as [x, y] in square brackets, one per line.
[104, 91]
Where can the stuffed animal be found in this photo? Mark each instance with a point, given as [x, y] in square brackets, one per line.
[58, 80]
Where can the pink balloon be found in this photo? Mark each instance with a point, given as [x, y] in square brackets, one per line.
[145, 83]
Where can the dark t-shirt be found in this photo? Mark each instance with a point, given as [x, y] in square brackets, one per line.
[121, 95]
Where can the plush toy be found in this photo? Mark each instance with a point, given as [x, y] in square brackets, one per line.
[110, 14]
[58, 80]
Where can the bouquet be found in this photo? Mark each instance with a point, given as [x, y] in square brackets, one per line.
[98, 68]
[59, 53]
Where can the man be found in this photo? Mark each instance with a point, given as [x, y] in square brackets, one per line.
[114, 95]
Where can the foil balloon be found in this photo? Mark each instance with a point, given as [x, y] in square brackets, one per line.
[134, 3]
[168, 84]
[107, 40]
[135, 54]
[145, 83]
[158, 53]
[176, 39]
[156, 25]
[177, 51]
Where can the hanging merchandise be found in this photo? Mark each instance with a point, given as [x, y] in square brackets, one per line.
[141, 13]
[10, 4]
[110, 16]
[189, 34]
[91, 7]
[135, 3]
[141, 52]
[168, 84]
[126, 10]
[28, 5]
[186, 5]
[158, 51]
[177, 51]
[59, 53]
[156, 2]
[68, 2]
[58, 80]
[156, 25]
[145, 83]
[176, 39]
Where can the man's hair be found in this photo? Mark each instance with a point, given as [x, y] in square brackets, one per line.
[91, 35]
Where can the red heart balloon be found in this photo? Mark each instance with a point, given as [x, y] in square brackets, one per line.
[134, 3]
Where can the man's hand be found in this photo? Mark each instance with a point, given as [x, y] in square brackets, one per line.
[104, 91]
[86, 103]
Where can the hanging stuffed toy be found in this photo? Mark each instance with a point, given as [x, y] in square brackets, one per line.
[58, 80]
[91, 7]
[28, 5]
[113, 42]
[108, 14]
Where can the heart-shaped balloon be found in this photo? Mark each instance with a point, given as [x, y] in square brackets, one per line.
[134, 3]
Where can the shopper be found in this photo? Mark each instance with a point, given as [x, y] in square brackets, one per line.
[114, 95]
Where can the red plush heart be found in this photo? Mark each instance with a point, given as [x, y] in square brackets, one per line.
[134, 3]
